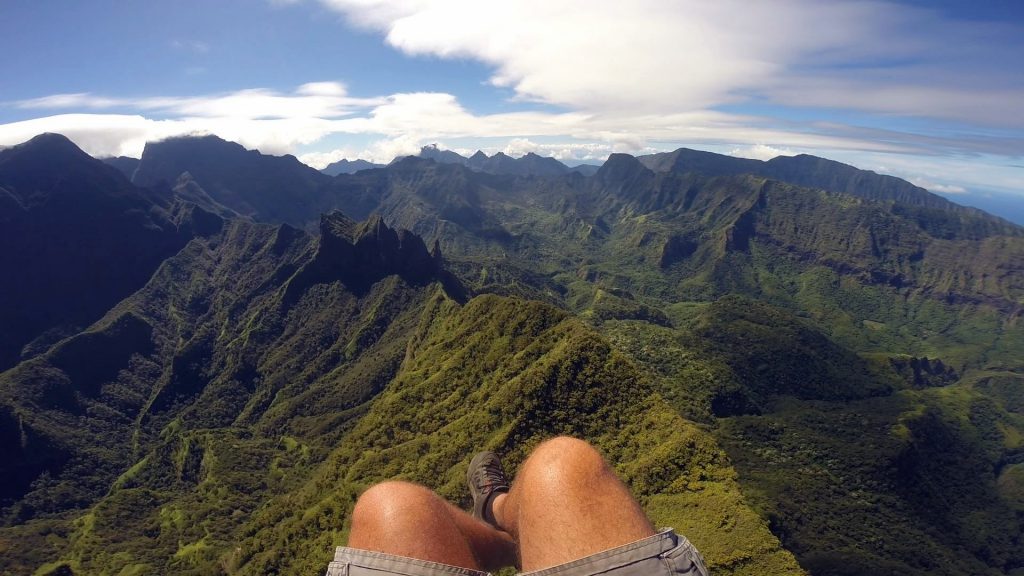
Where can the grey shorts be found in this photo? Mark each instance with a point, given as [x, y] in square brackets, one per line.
[664, 553]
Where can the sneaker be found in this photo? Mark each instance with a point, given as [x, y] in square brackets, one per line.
[486, 480]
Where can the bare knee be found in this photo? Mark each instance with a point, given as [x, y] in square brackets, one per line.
[565, 459]
[390, 506]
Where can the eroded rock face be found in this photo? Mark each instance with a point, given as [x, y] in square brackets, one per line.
[677, 249]
[371, 249]
[360, 253]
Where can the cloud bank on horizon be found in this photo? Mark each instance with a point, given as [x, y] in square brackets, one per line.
[925, 93]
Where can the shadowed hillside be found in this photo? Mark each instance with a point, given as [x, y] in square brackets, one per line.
[76, 238]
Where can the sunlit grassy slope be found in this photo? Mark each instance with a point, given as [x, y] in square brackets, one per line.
[497, 373]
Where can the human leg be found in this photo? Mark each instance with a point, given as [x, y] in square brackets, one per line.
[566, 503]
[411, 521]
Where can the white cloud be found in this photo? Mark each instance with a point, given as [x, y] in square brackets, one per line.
[518, 147]
[125, 135]
[311, 100]
[761, 152]
[571, 151]
[384, 151]
[936, 187]
[336, 89]
[320, 160]
[275, 122]
[631, 76]
[645, 54]
[70, 100]
[381, 152]
[685, 55]
[287, 122]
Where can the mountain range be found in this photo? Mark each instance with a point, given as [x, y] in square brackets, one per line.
[805, 367]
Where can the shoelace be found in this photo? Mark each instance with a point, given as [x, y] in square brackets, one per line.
[490, 476]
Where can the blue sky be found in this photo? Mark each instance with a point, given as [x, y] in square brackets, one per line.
[929, 91]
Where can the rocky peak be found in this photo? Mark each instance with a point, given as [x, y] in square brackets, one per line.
[620, 168]
[51, 165]
[51, 143]
[48, 162]
[440, 155]
[360, 253]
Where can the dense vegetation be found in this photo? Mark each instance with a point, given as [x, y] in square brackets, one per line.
[825, 379]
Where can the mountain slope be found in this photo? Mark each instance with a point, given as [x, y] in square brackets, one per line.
[813, 172]
[847, 457]
[272, 189]
[496, 373]
[192, 343]
[256, 372]
[77, 237]
[874, 276]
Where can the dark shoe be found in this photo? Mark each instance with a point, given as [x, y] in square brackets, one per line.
[486, 480]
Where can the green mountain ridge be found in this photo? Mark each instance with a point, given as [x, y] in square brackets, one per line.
[798, 379]
[814, 172]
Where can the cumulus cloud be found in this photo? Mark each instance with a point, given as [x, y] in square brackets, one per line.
[646, 54]
[518, 147]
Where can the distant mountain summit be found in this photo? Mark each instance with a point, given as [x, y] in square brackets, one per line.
[441, 156]
[502, 164]
[262, 187]
[345, 166]
[529, 165]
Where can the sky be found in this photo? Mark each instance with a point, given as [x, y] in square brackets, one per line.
[931, 91]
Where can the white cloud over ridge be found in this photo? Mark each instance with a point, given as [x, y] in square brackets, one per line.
[633, 77]
[937, 187]
[279, 123]
[761, 152]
